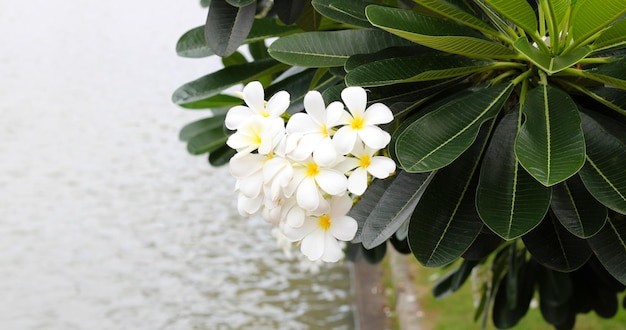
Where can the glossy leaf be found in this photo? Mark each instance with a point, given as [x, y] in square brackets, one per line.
[394, 207]
[350, 12]
[221, 155]
[207, 141]
[452, 11]
[212, 84]
[216, 101]
[613, 74]
[436, 33]
[485, 243]
[510, 202]
[591, 16]
[609, 246]
[604, 174]
[413, 69]
[445, 223]
[310, 19]
[550, 144]
[506, 314]
[288, 11]
[555, 247]
[192, 44]
[327, 49]
[200, 126]
[240, 3]
[576, 208]
[228, 26]
[517, 11]
[368, 201]
[613, 98]
[614, 36]
[550, 64]
[448, 131]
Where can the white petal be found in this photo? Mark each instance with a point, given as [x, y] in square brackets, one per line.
[332, 181]
[299, 233]
[344, 140]
[340, 206]
[254, 96]
[248, 206]
[305, 146]
[334, 114]
[343, 228]
[278, 103]
[355, 99]
[357, 182]
[377, 113]
[313, 245]
[325, 153]
[295, 217]
[333, 251]
[241, 142]
[374, 137]
[381, 167]
[242, 166]
[347, 164]
[251, 185]
[315, 107]
[308, 195]
[236, 116]
[302, 123]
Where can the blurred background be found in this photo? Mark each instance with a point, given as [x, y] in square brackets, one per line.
[105, 221]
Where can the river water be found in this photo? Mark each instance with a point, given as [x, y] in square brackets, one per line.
[105, 221]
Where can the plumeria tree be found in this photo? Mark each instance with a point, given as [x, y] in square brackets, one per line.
[488, 136]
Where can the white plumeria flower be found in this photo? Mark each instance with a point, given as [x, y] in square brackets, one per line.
[312, 130]
[311, 180]
[361, 122]
[254, 97]
[364, 162]
[322, 235]
[249, 206]
[257, 134]
[248, 170]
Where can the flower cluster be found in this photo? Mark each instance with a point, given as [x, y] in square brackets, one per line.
[300, 174]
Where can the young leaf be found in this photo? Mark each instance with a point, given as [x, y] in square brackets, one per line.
[612, 37]
[228, 26]
[576, 208]
[590, 16]
[447, 132]
[603, 173]
[327, 49]
[288, 11]
[445, 223]
[548, 63]
[436, 33]
[610, 247]
[510, 202]
[451, 11]
[550, 144]
[517, 11]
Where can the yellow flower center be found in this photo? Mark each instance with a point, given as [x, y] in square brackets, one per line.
[357, 123]
[312, 169]
[324, 222]
[256, 138]
[365, 161]
[324, 131]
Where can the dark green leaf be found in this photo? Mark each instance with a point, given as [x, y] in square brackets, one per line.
[576, 208]
[555, 293]
[258, 50]
[368, 201]
[394, 208]
[192, 44]
[438, 138]
[327, 49]
[221, 156]
[555, 247]
[510, 202]
[613, 98]
[233, 59]
[211, 84]
[216, 101]
[613, 73]
[591, 16]
[517, 11]
[228, 26]
[548, 63]
[445, 223]
[505, 314]
[414, 69]
[240, 3]
[264, 28]
[288, 11]
[376, 254]
[610, 247]
[310, 19]
[436, 33]
[486, 242]
[452, 11]
[550, 144]
[350, 12]
[200, 126]
[207, 141]
[604, 174]
[453, 281]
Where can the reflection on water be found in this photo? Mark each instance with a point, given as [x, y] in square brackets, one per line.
[105, 221]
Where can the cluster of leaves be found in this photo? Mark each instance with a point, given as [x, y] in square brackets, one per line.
[509, 130]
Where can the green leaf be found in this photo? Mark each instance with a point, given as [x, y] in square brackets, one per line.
[550, 144]
[604, 174]
[453, 281]
[233, 59]
[227, 26]
[350, 12]
[558, 10]
[506, 315]
[258, 50]
[216, 101]
[221, 156]
[613, 98]
[453, 12]
[612, 37]
[207, 141]
[192, 44]
[576, 208]
[517, 11]
[240, 3]
[438, 138]
[394, 208]
[550, 64]
[445, 223]
[288, 11]
[212, 84]
[310, 19]
[200, 126]
[264, 28]
[613, 73]
[368, 201]
[555, 293]
[590, 16]
[486, 242]
[509, 201]
[327, 49]
[436, 33]
[414, 68]
[610, 247]
[555, 247]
